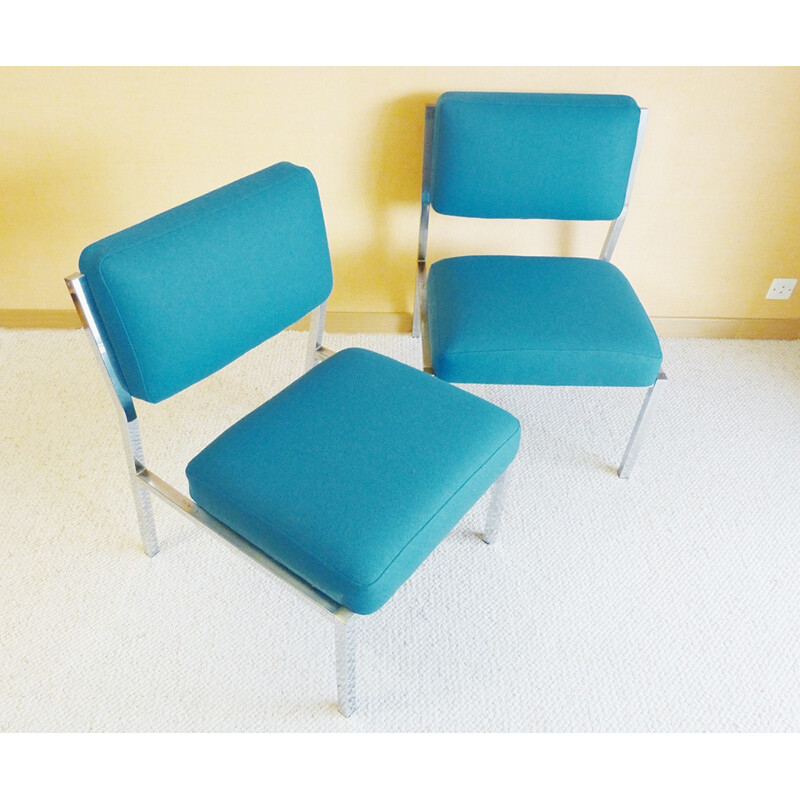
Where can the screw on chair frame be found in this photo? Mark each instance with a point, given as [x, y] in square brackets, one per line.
[420, 318]
[144, 483]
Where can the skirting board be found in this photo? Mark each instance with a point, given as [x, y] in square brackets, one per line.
[38, 318]
[726, 328]
[397, 322]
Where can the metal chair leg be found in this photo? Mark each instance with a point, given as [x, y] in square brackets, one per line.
[642, 424]
[416, 326]
[141, 497]
[345, 662]
[496, 507]
[316, 327]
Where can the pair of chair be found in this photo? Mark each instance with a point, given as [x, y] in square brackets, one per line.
[344, 482]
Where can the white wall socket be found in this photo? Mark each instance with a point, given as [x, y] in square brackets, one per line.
[781, 288]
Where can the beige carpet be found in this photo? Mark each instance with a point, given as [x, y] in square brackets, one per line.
[665, 603]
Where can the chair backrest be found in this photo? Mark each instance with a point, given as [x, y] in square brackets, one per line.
[186, 292]
[532, 156]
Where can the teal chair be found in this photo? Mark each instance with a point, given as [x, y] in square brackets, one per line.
[342, 483]
[534, 320]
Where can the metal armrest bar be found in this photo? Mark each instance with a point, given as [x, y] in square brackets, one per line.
[189, 508]
[315, 352]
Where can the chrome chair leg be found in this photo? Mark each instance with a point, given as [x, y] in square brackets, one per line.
[496, 507]
[415, 326]
[651, 400]
[141, 497]
[345, 662]
[316, 327]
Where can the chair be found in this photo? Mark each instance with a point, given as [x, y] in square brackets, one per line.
[343, 482]
[534, 320]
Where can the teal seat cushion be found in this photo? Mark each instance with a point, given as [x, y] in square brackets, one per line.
[538, 320]
[352, 475]
[186, 292]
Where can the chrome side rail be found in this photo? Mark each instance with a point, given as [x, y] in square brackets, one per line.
[90, 319]
[144, 483]
[420, 308]
[612, 237]
[190, 509]
[129, 424]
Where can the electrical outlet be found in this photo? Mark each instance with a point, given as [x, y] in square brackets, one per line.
[781, 288]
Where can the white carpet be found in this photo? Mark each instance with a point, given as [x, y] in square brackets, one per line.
[670, 602]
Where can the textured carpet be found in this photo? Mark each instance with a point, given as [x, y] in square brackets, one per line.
[665, 603]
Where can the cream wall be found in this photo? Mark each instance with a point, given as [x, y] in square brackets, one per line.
[86, 151]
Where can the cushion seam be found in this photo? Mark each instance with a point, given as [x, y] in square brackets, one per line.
[449, 499]
[204, 216]
[498, 99]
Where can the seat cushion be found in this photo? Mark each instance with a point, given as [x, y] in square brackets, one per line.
[352, 475]
[538, 320]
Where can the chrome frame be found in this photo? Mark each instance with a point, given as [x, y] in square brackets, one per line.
[315, 352]
[651, 400]
[496, 507]
[612, 237]
[144, 483]
[420, 322]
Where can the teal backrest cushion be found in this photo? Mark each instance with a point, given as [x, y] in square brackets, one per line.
[185, 293]
[532, 156]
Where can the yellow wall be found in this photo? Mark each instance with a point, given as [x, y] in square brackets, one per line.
[85, 151]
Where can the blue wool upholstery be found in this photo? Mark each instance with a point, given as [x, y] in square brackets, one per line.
[354, 473]
[185, 293]
[538, 320]
[527, 156]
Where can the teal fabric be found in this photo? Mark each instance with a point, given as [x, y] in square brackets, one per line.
[538, 320]
[532, 156]
[185, 293]
[354, 473]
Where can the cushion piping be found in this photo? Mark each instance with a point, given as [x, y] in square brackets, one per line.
[548, 350]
